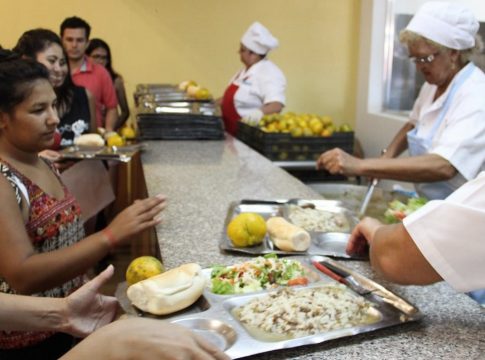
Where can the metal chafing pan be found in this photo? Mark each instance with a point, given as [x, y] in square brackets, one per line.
[167, 95]
[216, 321]
[179, 107]
[351, 197]
[323, 243]
[147, 88]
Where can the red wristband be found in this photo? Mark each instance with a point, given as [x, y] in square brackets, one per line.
[108, 234]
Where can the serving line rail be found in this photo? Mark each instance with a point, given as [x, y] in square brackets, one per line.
[202, 178]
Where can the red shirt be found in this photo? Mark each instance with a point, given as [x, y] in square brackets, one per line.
[97, 80]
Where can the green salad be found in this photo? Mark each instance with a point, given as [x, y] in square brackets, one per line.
[398, 210]
[258, 274]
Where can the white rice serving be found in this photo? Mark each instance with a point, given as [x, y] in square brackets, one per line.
[306, 312]
[318, 220]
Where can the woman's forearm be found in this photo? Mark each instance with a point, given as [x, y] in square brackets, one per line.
[272, 107]
[39, 272]
[423, 168]
[394, 254]
[31, 313]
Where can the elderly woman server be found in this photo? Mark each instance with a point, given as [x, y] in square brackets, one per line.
[445, 138]
[445, 135]
[258, 88]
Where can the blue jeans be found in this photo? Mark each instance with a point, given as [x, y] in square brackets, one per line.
[478, 296]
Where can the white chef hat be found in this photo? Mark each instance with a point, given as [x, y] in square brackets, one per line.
[448, 24]
[258, 39]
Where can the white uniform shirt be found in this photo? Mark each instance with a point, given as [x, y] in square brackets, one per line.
[450, 234]
[461, 136]
[262, 83]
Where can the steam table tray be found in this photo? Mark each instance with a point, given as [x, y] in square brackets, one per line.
[323, 243]
[213, 316]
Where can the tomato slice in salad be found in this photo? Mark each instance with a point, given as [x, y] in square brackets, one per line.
[298, 281]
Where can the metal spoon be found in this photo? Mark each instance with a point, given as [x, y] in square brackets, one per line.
[367, 197]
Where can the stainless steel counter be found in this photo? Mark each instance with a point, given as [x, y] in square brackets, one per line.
[201, 178]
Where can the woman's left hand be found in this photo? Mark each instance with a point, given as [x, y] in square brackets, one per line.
[51, 155]
[139, 216]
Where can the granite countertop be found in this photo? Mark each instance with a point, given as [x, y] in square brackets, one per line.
[201, 178]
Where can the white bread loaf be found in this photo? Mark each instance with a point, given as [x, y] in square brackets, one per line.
[286, 236]
[170, 291]
[89, 140]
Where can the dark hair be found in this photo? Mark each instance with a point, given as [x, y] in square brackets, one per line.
[35, 41]
[75, 22]
[16, 78]
[99, 43]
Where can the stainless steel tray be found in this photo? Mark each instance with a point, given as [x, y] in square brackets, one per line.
[323, 243]
[352, 196]
[212, 317]
[168, 95]
[179, 107]
[122, 154]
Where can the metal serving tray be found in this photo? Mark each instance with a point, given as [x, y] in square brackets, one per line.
[323, 243]
[212, 317]
[122, 154]
[179, 107]
[352, 196]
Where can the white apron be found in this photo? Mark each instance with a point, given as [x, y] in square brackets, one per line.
[420, 145]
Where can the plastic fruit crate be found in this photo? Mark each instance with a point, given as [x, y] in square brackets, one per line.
[284, 147]
[179, 127]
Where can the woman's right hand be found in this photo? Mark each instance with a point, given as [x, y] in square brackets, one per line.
[362, 236]
[337, 161]
[139, 216]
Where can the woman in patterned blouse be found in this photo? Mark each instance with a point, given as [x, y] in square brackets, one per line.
[43, 250]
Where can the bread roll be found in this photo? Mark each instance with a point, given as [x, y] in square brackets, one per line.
[89, 140]
[170, 291]
[286, 236]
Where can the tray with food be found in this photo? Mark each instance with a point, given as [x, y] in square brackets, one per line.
[122, 153]
[268, 303]
[290, 227]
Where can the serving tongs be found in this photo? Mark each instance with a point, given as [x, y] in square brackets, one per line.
[340, 276]
[367, 197]
[360, 284]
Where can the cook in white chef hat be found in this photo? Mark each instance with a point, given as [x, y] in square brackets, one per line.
[449, 24]
[259, 40]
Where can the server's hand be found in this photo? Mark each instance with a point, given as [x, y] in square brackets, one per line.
[254, 117]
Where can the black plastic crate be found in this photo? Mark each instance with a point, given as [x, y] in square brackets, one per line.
[284, 147]
[180, 127]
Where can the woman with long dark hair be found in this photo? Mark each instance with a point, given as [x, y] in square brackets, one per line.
[43, 247]
[99, 52]
[75, 105]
